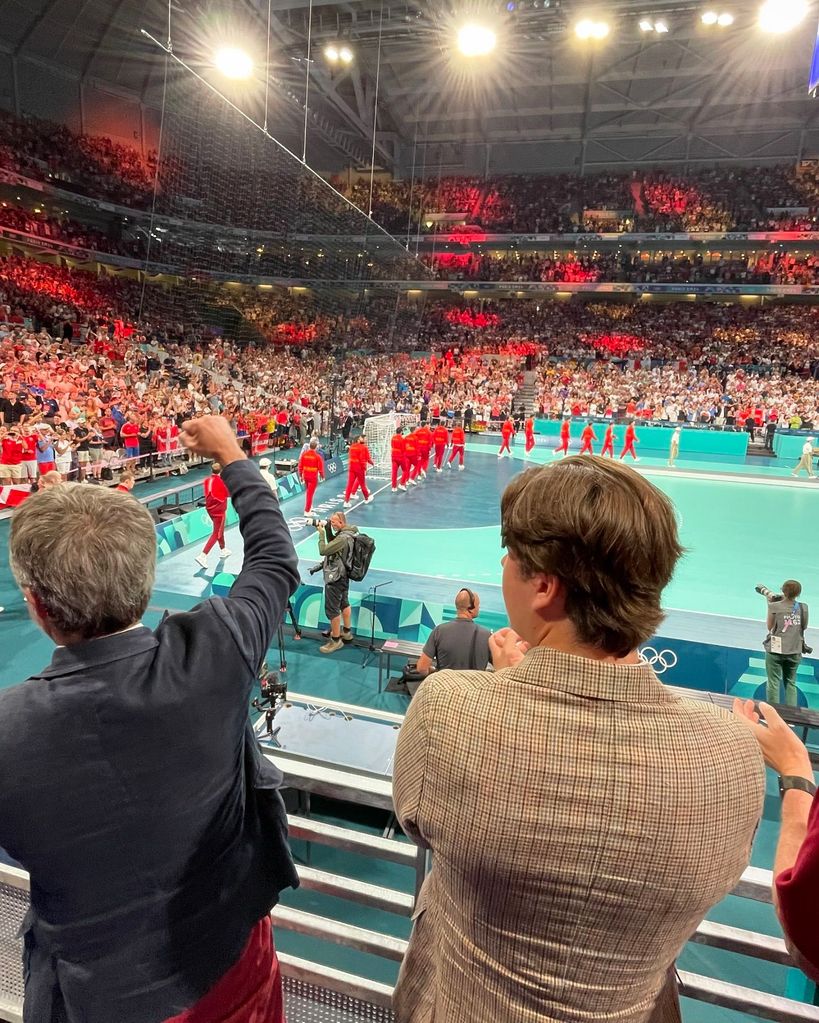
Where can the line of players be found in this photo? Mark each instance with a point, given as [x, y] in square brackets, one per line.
[587, 439]
[410, 453]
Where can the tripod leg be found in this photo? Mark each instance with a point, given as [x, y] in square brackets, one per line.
[282, 657]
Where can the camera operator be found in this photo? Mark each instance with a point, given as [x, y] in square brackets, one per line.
[334, 541]
[787, 621]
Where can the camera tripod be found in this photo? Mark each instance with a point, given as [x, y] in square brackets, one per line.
[288, 612]
[372, 650]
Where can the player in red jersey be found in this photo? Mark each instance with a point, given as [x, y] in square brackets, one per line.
[529, 434]
[311, 470]
[507, 433]
[423, 438]
[565, 436]
[630, 441]
[216, 501]
[359, 458]
[440, 439]
[608, 442]
[458, 444]
[586, 437]
[398, 451]
[410, 461]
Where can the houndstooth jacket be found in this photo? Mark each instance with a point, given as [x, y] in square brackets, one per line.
[583, 820]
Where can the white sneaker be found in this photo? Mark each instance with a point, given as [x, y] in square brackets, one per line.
[461, 468]
[423, 473]
[347, 504]
[439, 470]
[395, 490]
[224, 554]
[369, 499]
[201, 559]
[636, 459]
[2, 609]
[402, 487]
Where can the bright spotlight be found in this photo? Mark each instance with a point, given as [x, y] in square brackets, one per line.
[233, 62]
[345, 55]
[476, 40]
[724, 20]
[332, 54]
[781, 16]
[586, 28]
[646, 25]
[710, 18]
[660, 27]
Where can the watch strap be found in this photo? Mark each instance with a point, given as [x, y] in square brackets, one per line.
[794, 781]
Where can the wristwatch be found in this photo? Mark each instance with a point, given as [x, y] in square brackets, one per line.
[793, 781]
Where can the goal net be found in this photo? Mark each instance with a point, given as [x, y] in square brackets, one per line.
[378, 431]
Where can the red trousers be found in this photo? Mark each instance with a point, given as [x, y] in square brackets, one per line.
[218, 534]
[505, 446]
[608, 449]
[587, 448]
[411, 470]
[310, 484]
[563, 446]
[397, 466]
[356, 477]
[251, 990]
[440, 449]
[628, 450]
[530, 441]
[457, 451]
[423, 460]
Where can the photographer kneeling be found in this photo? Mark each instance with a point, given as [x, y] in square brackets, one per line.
[785, 642]
[335, 537]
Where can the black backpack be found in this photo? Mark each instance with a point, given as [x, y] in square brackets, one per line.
[360, 552]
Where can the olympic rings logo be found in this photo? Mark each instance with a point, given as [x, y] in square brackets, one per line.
[659, 660]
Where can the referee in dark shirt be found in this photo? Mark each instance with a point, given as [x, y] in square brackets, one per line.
[460, 643]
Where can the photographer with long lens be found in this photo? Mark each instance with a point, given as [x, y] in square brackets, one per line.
[785, 643]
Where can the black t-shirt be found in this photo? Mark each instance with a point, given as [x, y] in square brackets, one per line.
[81, 435]
[450, 645]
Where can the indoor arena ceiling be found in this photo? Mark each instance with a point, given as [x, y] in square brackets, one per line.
[709, 93]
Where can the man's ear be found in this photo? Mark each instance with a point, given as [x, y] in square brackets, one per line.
[548, 592]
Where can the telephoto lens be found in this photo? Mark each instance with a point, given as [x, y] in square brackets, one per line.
[768, 594]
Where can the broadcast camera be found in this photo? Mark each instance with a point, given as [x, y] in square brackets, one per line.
[273, 696]
[769, 595]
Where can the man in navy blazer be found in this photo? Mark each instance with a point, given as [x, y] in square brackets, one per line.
[131, 785]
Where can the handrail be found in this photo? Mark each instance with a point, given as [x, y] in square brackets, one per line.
[749, 943]
[374, 896]
[309, 830]
[339, 933]
[746, 999]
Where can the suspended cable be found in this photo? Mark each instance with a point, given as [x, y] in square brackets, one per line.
[307, 79]
[267, 68]
[156, 168]
[375, 105]
[412, 180]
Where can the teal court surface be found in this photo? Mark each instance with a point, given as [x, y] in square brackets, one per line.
[741, 524]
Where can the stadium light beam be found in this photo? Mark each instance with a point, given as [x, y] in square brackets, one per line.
[725, 19]
[587, 28]
[476, 41]
[332, 54]
[646, 25]
[780, 16]
[345, 55]
[709, 17]
[233, 62]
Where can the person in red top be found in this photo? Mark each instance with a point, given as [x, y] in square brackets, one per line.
[359, 458]
[586, 437]
[529, 433]
[631, 409]
[311, 470]
[398, 446]
[129, 432]
[608, 442]
[507, 433]
[423, 438]
[796, 863]
[11, 457]
[126, 482]
[565, 437]
[629, 442]
[29, 441]
[458, 444]
[216, 500]
[410, 461]
[282, 421]
[440, 439]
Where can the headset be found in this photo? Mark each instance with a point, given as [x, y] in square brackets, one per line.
[470, 594]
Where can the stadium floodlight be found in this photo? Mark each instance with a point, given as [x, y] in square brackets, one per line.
[725, 19]
[780, 16]
[709, 18]
[233, 62]
[646, 25]
[332, 54]
[661, 27]
[345, 55]
[587, 28]
[476, 40]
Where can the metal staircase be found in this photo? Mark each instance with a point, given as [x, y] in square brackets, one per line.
[527, 393]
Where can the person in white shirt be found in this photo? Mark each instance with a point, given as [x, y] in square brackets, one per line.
[806, 461]
[674, 446]
[267, 475]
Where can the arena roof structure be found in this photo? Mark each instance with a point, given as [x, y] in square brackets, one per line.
[543, 100]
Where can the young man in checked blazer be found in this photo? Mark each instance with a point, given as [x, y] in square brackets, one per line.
[582, 818]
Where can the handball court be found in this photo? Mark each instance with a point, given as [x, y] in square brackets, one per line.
[740, 524]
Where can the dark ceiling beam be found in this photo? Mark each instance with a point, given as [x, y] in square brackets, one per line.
[101, 39]
[33, 25]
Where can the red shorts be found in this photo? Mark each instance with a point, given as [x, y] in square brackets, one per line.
[46, 467]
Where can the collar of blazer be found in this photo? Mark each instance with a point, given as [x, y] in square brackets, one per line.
[67, 660]
[601, 680]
